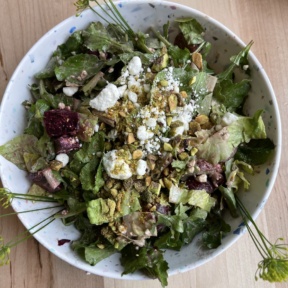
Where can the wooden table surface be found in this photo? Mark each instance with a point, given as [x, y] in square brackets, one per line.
[22, 23]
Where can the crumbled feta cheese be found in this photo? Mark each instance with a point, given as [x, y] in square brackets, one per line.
[202, 178]
[70, 91]
[133, 97]
[96, 128]
[61, 105]
[135, 65]
[107, 98]
[117, 166]
[164, 139]
[122, 90]
[179, 130]
[184, 114]
[147, 87]
[151, 122]
[141, 167]
[133, 83]
[64, 158]
[228, 119]
[143, 134]
[245, 67]
[152, 146]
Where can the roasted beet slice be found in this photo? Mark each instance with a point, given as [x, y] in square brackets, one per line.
[181, 42]
[65, 144]
[45, 179]
[59, 122]
[193, 184]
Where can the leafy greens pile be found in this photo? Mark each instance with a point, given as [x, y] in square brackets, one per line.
[142, 144]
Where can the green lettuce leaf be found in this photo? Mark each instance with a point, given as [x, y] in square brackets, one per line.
[99, 181]
[230, 94]
[98, 38]
[146, 259]
[15, 149]
[48, 71]
[90, 149]
[215, 230]
[179, 56]
[191, 29]
[219, 146]
[101, 211]
[256, 152]
[240, 59]
[94, 255]
[72, 70]
[198, 198]
[73, 45]
[191, 225]
[230, 200]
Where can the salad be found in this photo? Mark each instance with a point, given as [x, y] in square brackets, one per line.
[142, 144]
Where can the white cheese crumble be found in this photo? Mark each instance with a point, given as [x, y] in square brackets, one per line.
[70, 91]
[133, 97]
[96, 128]
[135, 66]
[184, 115]
[62, 157]
[117, 167]
[172, 83]
[143, 134]
[228, 119]
[122, 90]
[141, 167]
[107, 98]
[151, 122]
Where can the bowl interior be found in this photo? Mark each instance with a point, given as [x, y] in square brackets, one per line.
[140, 15]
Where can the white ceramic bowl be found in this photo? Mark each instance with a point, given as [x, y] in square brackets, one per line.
[140, 15]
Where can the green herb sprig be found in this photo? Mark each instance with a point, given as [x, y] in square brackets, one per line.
[274, 266]
[6, 198]
[115, 16]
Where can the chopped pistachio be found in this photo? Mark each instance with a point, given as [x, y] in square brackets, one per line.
[169, 120]
[160, 63]
[148, 181]
[122, 114]
[130, 138]
[172, 102]
[151, 162]
[193, 151]
[167, 147]
[166, 171]
[56, 165]
[202, 119]
[164, 83]
[192, 81]
[153, 208]
[194, 127]
[114, 192]
[183, 156]
[137, 154]
[197, 60]
[184, 94]
[168, 183]
[161, 183]
[154, 188]
[108, 146]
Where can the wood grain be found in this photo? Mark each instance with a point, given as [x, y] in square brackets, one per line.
[22, 23]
